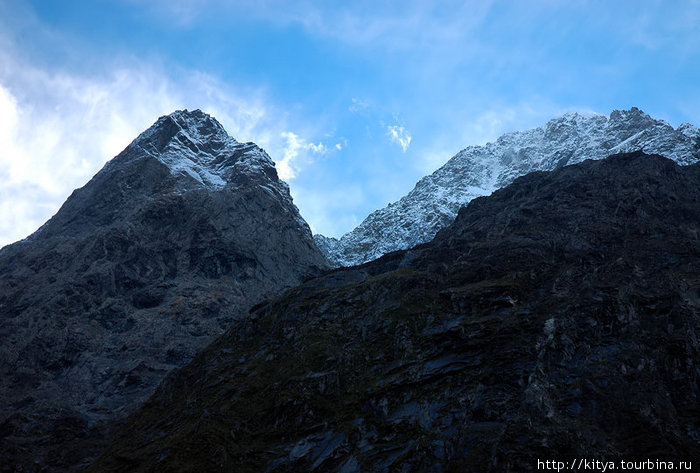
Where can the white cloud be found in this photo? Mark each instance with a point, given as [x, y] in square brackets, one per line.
[297, 153]
[58, 128]
[60, 124]
[400, 135]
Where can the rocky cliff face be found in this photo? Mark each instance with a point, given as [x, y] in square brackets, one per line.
[558, 318]
[479, 170]
[168, 245]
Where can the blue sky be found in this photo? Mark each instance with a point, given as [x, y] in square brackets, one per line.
[355, 101]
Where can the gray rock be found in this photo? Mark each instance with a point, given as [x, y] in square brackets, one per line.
[557, 318]
[479, 170]
[167, 246]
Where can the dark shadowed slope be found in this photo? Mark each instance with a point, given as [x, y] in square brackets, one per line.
[557, 318]
[163, 249]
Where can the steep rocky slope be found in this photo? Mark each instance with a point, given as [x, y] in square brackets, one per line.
[172, 241]
[558, 318]
[479, 170]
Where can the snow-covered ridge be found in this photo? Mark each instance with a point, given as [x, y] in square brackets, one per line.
[198, 151]
[195, 145]
[479, 170]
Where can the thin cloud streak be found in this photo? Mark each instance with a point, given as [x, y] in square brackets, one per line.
[403, 25]
[399, 135]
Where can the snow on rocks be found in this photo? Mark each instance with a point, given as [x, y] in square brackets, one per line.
[479, 170]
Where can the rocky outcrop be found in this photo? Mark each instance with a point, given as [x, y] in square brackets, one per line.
[168, 245]
[479, 170]
[557, 318]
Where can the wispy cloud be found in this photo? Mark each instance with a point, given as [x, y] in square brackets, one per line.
[400, 135]
[463, 71]
[405, 25]
[58, 127]
[297, 154]
[54, 141]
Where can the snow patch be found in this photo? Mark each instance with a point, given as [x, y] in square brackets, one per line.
[195, 145]
[479, 170]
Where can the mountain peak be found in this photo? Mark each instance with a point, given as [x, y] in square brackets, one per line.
[190, 128]
[479, 170]
[194, 145]
[197, 124]
[632, 117]
[163, 249]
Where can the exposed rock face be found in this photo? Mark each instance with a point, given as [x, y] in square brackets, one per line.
[479, 170]
[558, 318]
[169, 244]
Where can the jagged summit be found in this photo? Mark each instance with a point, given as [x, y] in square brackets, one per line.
[181, 152]
[690, 131]
[195, 126]
[479, 170]
[194, 145]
